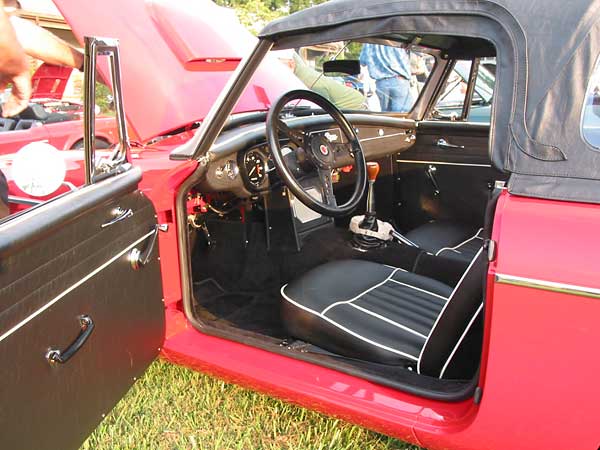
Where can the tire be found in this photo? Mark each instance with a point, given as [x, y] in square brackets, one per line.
[100, 144]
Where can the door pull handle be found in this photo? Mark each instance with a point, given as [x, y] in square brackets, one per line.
[444, 144]
[430, 172]
[54, 356]
[119, 214]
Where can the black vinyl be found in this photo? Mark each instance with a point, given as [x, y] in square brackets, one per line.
[436, 235]
[7, 124]
[377, 313]
[364, 310]
[450, 240]
[57, 263]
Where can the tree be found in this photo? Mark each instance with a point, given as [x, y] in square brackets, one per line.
[255, 14]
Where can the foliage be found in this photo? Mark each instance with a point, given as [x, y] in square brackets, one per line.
[175, 408]
[255, 14]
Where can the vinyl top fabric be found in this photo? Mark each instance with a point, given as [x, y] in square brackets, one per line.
[546, 53]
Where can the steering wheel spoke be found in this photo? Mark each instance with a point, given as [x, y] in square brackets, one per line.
[296, 136]
[320, 152]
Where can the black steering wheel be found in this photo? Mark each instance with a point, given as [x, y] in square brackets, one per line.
[316, 153]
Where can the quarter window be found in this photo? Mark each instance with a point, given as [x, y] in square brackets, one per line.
[590, 119]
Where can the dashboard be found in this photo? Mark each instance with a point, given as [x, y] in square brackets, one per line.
[241, 164]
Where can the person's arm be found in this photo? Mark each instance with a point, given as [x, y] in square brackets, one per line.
[41, 44]
[12, 56]
[14, 68]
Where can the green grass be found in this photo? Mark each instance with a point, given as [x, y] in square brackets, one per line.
[175, 408]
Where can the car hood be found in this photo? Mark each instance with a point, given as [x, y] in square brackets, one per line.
[49, 82]
[176, 57]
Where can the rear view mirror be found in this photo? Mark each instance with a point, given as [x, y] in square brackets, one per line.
[344, 66]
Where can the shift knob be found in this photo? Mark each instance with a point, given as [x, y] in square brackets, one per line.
[372, 170]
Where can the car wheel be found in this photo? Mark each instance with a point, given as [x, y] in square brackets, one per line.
[100, 144]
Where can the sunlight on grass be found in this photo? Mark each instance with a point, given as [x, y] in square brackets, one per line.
[175, 408]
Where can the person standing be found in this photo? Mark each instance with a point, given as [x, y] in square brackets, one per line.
[390, 68]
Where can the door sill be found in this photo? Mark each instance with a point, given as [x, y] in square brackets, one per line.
[395, 377]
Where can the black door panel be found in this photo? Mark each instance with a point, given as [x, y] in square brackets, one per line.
[58, 263]
[445, 183]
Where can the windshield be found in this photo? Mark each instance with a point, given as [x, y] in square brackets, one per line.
[369, 77]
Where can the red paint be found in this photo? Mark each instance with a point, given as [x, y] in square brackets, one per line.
[62, 135]
[166, 82]
[539, 372]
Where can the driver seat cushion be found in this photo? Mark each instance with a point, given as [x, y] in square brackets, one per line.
[373, 312]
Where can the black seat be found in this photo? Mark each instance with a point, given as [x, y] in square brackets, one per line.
[449, 239]
[7, 124]
[383, 314]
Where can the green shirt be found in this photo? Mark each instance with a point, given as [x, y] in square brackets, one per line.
[337, 93]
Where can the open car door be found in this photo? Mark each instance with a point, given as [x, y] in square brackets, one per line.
[81, 315]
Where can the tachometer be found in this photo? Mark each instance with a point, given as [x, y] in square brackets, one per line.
[255, 165]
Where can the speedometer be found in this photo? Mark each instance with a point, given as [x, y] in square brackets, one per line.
[255, 165]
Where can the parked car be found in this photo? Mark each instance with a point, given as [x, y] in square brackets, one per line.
[49, 118]
[465, 318]
[450, 103]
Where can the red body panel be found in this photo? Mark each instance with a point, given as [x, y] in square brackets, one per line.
[62, 135]
[538, 374]
[166, 81]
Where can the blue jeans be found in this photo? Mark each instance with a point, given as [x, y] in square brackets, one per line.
[394, 94]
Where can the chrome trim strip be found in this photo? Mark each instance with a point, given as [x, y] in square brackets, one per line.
[442, 163]
[385, 136]
[72, 288]
[24, 200]
[561, 288]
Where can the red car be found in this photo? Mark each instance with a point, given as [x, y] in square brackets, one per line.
[49, 118]
[453, 311]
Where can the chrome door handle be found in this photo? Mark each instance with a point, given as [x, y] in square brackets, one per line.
[118, 215]
[444, 144]
[54, 356]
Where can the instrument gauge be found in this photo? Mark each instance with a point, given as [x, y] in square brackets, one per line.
[255, 165]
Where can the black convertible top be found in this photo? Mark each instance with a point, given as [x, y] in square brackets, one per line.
[546, 53]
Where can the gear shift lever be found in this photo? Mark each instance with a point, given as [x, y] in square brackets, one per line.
[370, 220]
[367, 240]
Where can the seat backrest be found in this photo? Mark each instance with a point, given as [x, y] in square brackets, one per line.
[34, 111]
[464, 306]
[455, 319]
[26, 124]
[7, 124]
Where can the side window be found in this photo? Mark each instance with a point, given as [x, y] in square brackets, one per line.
[46, 159]
[450, 104]
[590, 119]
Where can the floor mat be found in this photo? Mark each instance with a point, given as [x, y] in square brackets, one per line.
[256, 312]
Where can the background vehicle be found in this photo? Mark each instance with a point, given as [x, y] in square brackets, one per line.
[48, 118]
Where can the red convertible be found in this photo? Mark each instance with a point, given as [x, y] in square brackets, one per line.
[456, 306]
[49, 118]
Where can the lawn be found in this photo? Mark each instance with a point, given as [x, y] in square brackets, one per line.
[175, 408]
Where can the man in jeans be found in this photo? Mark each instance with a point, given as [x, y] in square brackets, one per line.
[390, 68]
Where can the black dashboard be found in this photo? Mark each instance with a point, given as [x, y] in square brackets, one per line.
[240, 161]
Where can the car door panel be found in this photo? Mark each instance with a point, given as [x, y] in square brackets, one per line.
[437, 183]
[58, 263]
